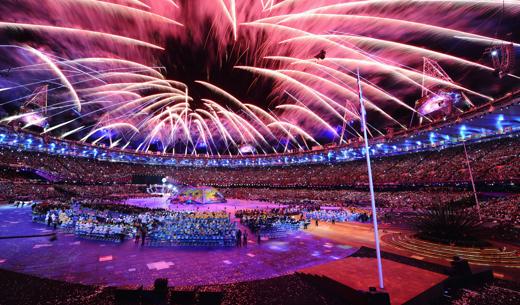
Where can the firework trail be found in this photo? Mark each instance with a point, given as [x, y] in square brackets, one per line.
[209, 76]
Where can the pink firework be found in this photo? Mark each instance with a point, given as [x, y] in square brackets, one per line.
[212, 76]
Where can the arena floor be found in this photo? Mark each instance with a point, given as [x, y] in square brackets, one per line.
[94, 262]
[230, 206]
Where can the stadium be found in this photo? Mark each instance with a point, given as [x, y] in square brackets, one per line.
[260, 152]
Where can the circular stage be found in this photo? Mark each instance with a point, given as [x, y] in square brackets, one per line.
[79, 260]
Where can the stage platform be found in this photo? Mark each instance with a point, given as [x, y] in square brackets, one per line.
[402, 282]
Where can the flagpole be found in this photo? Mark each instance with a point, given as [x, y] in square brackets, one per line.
[370, 182]
[472, 181]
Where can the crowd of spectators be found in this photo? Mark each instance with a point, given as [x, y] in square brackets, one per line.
[117, 222]
[403, 200]
[502, 217]
[194, 228]
[13, 174]
[339, 215]
[11, 191]
[502, 210]
[491, 161]
[324, 185]
[271, 223]
[31, 190]
[488, 295]
[120, 191]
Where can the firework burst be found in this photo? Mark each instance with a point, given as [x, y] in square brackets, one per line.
[210, 76]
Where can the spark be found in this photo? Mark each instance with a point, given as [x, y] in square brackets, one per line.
[110, 126]
[62, 77]
[114, 7]
[311, 114]
[74, 32]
